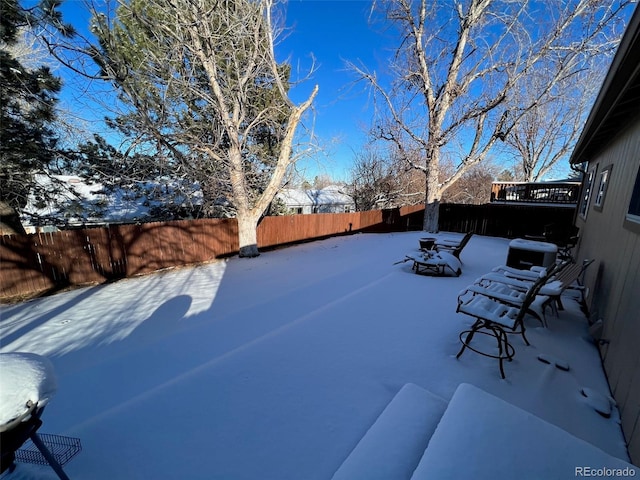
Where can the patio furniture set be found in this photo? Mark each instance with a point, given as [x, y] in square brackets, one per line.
[439, 257]
[501, 300]
[533, 280]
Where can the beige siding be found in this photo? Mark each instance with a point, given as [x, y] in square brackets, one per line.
[614, 280]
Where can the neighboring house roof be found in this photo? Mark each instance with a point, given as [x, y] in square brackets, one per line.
[292, 197]
[331, 195]
[617, 101]
[70, 199]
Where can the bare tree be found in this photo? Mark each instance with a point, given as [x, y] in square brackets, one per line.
[473, 187]
[203, 90]
[322, 181]
[380, 180]
[547, 132]
[457, 63]
[373, 183]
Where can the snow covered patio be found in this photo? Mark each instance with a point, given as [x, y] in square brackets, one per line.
[275, 368]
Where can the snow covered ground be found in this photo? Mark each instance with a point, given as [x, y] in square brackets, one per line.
[274, 368]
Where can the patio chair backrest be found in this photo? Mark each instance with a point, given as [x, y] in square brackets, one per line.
[535, 289]
[465, 240]
[572, 273]
[457, 249]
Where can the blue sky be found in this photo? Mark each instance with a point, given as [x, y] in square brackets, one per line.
[334, 32]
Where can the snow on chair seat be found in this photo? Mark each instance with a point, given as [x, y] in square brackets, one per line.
[566, 275]
[530, 275]
[516, 283]
[553, 287]
[514, 297]
[491, 310]
[454, 247]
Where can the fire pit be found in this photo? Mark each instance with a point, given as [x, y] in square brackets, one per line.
[426, 243]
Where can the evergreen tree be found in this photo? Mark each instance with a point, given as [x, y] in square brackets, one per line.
[28, 141]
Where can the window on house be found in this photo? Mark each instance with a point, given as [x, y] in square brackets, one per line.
[586, 192]
[602, 188]
[633, 213]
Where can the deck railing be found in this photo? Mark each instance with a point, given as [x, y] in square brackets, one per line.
[565, 193]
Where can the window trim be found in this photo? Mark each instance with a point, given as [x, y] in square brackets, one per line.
[632, 219]
[604, 178]
[587, 190]
[632, 223]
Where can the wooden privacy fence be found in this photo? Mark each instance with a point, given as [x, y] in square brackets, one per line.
[51, 261]
[509, 221]
[46, 261]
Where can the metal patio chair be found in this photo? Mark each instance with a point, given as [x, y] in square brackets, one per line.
[496, 318]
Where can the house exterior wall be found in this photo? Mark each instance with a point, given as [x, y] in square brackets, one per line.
[336, 208]
[306, 209]
[614, 279]
[298, 209]
[327, 200]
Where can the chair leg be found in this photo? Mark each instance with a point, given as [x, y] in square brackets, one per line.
[522, 329]
[469, 337]
[543, 320]
[503, 348]
[540, 316]
[48, 456]
[501, 364]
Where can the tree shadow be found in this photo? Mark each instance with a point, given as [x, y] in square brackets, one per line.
[15, 335]
[161, 321]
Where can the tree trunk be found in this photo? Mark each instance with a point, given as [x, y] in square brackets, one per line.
[245, 215]
[249, 215]
[10, 221]
[432, 197]
[247, 235]
[431, 216]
